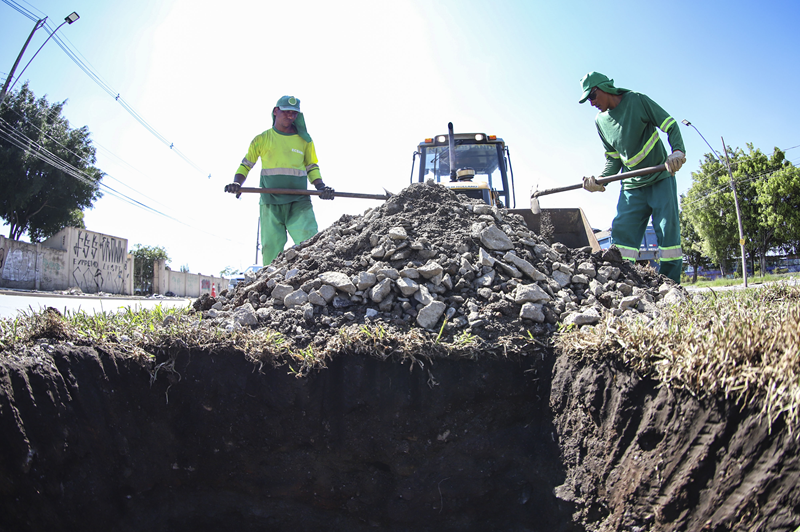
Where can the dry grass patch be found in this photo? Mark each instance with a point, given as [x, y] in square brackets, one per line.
[743, 345]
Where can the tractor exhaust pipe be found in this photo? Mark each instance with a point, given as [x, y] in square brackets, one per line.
[451, 148]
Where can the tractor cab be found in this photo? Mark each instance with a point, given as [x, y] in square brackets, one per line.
[474, 164]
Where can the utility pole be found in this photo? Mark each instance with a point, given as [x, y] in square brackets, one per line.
[738, 213]
[39, 24]
[69, 19]
[735, 196]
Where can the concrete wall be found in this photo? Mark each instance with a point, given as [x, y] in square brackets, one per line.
[72, 258]
[184, 284]
[95, 262]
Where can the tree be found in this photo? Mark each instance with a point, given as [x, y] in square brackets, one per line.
[707, 206]
[749, 171]
[228, 270]
[46, 171]
[691, 244]
[144, 258]
[779, 198]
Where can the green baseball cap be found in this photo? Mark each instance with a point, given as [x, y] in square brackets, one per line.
[596, 79]
[288, 103]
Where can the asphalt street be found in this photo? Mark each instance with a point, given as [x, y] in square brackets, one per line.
[12, 302]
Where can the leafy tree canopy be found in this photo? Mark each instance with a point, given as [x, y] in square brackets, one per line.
[40, 157]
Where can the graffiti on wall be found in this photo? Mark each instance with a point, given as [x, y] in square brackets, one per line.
[18, 265]
[99, 263]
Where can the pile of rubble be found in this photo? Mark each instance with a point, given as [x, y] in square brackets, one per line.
[429, 258]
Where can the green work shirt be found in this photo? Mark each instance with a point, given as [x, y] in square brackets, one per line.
[630, 137]
[287, 161]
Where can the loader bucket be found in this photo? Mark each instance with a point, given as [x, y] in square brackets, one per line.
[570, 226]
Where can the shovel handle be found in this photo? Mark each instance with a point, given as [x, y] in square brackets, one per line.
[603, 180]
[301, 192]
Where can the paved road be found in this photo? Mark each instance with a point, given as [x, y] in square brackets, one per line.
[14, 301]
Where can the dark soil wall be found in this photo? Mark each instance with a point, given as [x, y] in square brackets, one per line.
[93, 442]
[642, 457]
[88, 443]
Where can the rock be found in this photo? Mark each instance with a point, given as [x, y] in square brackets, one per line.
[675, 296]
[379, 292]
[563, 279]
[366, 280]
[589, 316]
[530, 293]
[339, 281]
[524, 266]
[423, 295]
[245, 315]
[280, 291]
[297, 298]
[485, 280]
[430, 314]
[629, 302]
[587, 269]
[430, 270]
[398, 233]
[407, 286]
[533, 312]
[495, 239]
[485, 259]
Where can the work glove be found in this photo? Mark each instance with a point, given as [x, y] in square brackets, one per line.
[675, 161]
[327, 192]
[590, 184]
[234, 188]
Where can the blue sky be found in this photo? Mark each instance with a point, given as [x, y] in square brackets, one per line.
[375, 78]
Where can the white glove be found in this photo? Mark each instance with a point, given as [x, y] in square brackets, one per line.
[675, 161]
[590, 184]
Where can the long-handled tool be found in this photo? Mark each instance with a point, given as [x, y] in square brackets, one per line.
[536, 209]
[300, 192]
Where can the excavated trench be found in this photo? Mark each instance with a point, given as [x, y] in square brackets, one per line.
[90, 443]
[94, 442]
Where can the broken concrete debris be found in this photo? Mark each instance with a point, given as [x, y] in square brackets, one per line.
[432, 259]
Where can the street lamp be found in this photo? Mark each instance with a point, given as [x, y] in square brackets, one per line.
[735, 196]
[69, 19]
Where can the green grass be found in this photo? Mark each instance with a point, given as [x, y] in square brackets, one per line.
[738, 281]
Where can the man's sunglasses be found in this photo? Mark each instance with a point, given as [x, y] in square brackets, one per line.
[593, 94]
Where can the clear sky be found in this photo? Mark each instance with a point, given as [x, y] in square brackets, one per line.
[374, 79]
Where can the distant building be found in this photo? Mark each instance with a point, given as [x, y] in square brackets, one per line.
[647, 251]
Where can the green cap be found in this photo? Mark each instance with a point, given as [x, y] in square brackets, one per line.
[601, 81]
[288, 103]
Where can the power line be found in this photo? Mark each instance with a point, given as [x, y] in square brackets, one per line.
[74, 56]
[35, 149]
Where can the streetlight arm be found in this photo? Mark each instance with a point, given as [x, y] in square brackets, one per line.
[37, 53]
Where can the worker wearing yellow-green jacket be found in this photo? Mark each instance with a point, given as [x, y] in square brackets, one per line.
[288, 160]
[628, 124]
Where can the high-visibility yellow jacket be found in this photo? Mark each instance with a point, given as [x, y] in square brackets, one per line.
[287, 161]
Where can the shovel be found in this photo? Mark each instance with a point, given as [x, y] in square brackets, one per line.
[301, 192]
[536, 209]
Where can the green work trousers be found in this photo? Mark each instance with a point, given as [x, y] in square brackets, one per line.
[296, 217]
[634, 209]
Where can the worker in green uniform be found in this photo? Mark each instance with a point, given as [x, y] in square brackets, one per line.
[288, 160]
[628, 124]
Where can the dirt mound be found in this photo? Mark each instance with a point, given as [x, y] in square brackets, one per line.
[429, 258]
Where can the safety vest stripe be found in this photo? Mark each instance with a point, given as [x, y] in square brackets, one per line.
[292, 172]
[628, 253]
[612, 154]
[671, 253]
[639, 157]
[667, 124]
[312, 167]
[248, 164]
